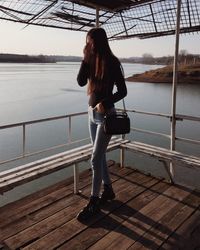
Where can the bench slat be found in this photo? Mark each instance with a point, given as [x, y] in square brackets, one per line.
[165, 154]
[26, 175]
[50, 158]
[31, 171]
[165, 150]
[46, 159]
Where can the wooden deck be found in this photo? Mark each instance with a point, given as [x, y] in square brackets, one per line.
[148, 213]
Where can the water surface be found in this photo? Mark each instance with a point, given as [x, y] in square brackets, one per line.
[35, 91]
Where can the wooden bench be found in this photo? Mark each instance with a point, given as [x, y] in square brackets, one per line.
[164, 155]
[14, 177]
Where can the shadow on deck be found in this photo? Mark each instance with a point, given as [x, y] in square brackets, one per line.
[148, 213]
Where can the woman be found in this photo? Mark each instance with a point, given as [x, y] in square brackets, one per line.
[101, 70]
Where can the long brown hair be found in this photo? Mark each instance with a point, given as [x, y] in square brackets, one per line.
[99, 58]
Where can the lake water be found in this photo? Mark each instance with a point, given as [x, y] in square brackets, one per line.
[35, 91]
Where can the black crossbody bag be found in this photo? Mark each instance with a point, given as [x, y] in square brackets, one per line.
[117, 123]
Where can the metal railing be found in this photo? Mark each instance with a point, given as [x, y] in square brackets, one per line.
[70, 141]
[24, 124]
[178, 117]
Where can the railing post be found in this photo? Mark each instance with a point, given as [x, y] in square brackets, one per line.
[122, 154]
[76, 178]
[122, 157]
[174, 86]
[24, 140]
[70, 129]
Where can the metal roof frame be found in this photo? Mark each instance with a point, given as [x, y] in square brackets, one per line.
[120, 18]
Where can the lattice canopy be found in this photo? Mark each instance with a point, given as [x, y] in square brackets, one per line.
[120, 18]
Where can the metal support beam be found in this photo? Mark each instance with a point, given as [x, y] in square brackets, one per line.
[122, 150]
[24, 140]
[174, 86]
[175, 73]
[97, 17]
[154, 22]
[124, 24]
[122, 157]
[166, 166]
[76, 178]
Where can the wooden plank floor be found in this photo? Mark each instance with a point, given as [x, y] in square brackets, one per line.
[148, 213]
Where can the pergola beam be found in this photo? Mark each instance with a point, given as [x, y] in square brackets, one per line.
[152, 18]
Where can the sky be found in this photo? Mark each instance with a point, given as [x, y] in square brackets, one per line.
[35, 40]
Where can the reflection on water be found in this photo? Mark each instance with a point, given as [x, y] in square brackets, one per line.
[35, 91]
[71, 90]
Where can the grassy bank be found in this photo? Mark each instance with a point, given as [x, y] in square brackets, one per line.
[186, 74]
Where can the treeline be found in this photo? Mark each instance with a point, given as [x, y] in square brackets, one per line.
[184, 58]
[15, 58]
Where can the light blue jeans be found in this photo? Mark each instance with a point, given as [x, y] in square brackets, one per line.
[100, 142]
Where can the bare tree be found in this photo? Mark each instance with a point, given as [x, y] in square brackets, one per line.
[148, 58]
[183, 56]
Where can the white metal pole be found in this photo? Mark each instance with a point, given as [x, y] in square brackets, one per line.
[97, 17]
[122, 156]
[175, 72]
[76, 178]
[174, 86]
[24, 140]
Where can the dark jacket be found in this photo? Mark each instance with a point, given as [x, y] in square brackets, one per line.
[105, 96]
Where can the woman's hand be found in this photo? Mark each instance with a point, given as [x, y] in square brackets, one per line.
[86, 52]
[88, 49]
[100, 108]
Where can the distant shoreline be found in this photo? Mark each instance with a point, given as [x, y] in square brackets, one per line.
[15, 58]
[19, 58]
[189, 74]
[146, 59]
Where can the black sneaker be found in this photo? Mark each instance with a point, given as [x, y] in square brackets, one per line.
[108, 194]
[90, 210]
